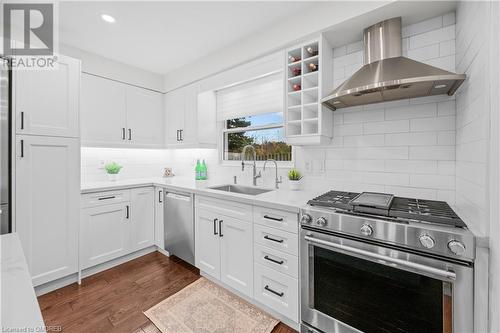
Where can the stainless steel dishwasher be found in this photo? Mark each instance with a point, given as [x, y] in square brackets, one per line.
[179, 225]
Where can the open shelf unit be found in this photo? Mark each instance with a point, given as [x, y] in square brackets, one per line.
[308, 78]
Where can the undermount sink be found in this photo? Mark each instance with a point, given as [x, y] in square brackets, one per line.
[240, 189]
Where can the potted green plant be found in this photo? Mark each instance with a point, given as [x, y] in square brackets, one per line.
[294, 176]
[112, 169]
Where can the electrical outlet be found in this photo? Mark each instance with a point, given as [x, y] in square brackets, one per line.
[308, 166]
[101, 165]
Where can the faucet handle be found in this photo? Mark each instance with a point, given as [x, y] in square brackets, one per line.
[280, 181]
[242, 166]
[235, 179]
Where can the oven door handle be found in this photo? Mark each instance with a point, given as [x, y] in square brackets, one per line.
[444, 274]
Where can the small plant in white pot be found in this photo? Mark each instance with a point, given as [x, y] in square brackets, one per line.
[295, 179]
[112, 169]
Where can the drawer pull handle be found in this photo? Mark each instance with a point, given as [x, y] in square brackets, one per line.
[159, 196]
[273, 218]
[215, 226]
[274, 292]
[220, 228]
[279, 262]
[128, 212]
[273, 239]
[106, 198]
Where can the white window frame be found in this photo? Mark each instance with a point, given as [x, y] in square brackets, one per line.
[223, 130]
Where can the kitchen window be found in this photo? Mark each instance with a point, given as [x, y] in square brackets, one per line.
[252, 114]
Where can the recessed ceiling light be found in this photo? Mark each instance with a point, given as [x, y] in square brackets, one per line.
[439, 86]
[108, 18]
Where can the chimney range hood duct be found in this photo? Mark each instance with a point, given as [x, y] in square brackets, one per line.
[388, 76]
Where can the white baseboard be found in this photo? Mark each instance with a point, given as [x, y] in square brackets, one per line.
[283, 319]
[73, 278]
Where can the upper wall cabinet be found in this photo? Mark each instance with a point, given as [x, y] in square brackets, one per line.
[46, 102]
[309, 76]
[115, 114]
[190, 118]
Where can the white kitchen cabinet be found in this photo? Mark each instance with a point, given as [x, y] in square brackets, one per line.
[190, 118]
[103, 117]
[159, 219]
[144, 116]
[115, 114]
[47, 183]
[207, 243]
[142, 217]
[46, 102]
[105, 233]
[236, 254]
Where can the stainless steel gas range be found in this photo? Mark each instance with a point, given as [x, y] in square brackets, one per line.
[372, 262]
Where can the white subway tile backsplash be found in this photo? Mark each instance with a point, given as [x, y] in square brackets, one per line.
[364, 140]
[411, 139]
[424, 53]
[436, 153]
[432, 37]
[448, 19]
[446, 108]
[411, 166]
[348, 59]
[446, 138]
[363, 116]
[424, 26]
[433, 181]
[354, 47]
[390, 126]
[411, 111]
[339, 51]
[433, 124]
[447, 48]
[347, 129]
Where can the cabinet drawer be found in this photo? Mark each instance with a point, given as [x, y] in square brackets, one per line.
[105, 198]
[277, 260]
[278, 291]
[228, 208]
[276, 218]
[276, 239]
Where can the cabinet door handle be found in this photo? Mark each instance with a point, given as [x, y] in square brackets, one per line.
[129, 134]
[220, 228]
[279, 262]
[215, 226]
[106, 198]
[177, 136]
[22, 148]
[273, 218]
[123, 133]
[128, 212]
[274, 292]
[273, 239]
[159, 196]
[180, 132]
[22, 120]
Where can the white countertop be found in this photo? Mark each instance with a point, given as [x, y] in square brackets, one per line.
[19, 305]
[279, 199]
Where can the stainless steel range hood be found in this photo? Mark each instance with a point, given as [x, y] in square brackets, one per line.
[388, 76]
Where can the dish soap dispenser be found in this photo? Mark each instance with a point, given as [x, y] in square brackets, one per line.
[197, 170]
[204, 172]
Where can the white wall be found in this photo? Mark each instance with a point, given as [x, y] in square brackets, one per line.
[98, 65]
[318, 17]
[477, 134]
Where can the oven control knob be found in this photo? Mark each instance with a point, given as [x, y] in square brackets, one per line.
[306, 218]
[321, 221]
[456, 247]
[366, 230]
[427, 241]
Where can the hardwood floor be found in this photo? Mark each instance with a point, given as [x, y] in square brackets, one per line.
[114, 300]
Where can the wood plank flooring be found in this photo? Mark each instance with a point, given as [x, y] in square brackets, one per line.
[114, 300]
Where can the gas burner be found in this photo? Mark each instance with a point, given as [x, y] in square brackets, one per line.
[429, 211]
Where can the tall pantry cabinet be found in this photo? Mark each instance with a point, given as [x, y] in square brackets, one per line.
[47, 168]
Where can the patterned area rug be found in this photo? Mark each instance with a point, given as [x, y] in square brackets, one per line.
[204, 307]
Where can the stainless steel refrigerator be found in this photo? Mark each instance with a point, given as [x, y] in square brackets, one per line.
[5, 135]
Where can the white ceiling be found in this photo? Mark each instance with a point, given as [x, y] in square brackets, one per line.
[162, 36]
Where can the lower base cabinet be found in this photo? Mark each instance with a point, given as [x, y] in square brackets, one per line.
[224, 249]
[255, 253]
[114, 224]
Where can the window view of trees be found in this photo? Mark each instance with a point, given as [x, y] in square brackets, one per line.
[268, 142]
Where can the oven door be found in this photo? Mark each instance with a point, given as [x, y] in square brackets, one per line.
[353, 286]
